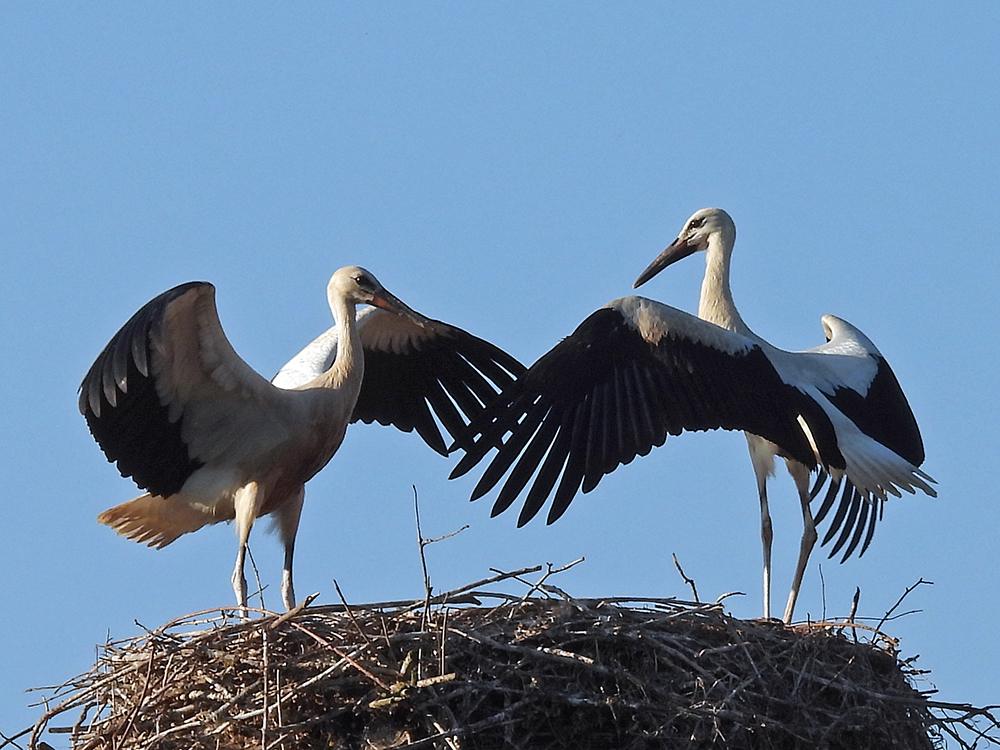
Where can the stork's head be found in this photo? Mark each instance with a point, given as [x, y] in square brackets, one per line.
[355, 285]
[706, 227]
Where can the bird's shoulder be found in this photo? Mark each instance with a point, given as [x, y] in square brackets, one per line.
[659, 326]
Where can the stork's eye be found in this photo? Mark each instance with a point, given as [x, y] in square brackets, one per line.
[697, 223]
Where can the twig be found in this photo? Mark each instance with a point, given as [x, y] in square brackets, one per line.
[906, 593]
[256, 576]
[298, 608]
[350, 613]
[123, 732]
[728, 594]
[854, 609]
[265, 671]
[822, 589]
[514, 669]
[421, 543]
[10, 740]
[501, 576]
[688, 581]
[540, 585]
[423, 558]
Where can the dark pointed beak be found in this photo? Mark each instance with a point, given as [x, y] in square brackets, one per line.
[677, 249]
[388, 301]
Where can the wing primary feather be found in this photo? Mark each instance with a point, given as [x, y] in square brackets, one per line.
[428, 430]
[657, 405]
[859, 529]
[838, 517]
[821, 477]
[527, 463]
[496, 366]
[672, 409]
[594, 465]
[615, 428]
[116, 378]
[548, 474]
[486, 432]
[466, 384]
[569, 485]
[495, 363]
[831, 496]
[434, 397]
[551, 468]
[645, 428]
[503, 416]
[445, 410]
[875, 516]
[635, 411]
[621, 441]
[852, 502]
[140, 354]
[509, 451]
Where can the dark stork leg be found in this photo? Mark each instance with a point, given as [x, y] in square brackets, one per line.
[288, 526]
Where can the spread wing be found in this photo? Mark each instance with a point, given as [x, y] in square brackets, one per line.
[168, 394]
[416, 369]
[632, 373]
[871, 397]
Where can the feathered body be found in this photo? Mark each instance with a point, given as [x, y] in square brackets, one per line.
[211, 440]
[637, 370]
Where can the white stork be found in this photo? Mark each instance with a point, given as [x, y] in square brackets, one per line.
[637, 370]
[211, 440]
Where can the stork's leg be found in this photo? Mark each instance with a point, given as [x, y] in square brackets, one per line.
[801, 476]
[765, 539]
[247, 502]
[288, 525]
[762, 458]
[239, 580]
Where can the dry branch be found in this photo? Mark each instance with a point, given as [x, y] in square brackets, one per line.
[548, 671]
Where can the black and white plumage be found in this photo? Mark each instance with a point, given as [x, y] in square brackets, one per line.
[418, 372]
[637, 370]
[209, 439]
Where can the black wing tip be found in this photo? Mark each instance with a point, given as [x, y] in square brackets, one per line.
[509, 361]
[448, 380]
[119, 402]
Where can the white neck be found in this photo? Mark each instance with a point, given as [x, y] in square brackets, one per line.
[348, 368]
[716, 304]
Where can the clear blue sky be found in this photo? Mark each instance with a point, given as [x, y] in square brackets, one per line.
[507, 168]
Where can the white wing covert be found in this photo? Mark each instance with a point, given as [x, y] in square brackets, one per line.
[418, 372]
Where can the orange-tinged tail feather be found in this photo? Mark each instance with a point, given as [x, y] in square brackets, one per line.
[154, 520]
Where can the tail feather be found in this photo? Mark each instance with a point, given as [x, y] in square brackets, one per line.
[154, 520]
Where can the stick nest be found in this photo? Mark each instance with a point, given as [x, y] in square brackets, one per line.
[543, 671]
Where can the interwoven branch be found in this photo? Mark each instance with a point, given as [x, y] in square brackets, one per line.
[527, 673]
